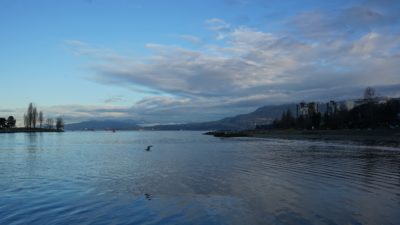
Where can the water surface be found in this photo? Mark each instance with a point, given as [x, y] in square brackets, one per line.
[189, 178]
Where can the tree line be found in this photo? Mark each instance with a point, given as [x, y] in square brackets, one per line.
[33, 118]
[371, 114]
[7, 123]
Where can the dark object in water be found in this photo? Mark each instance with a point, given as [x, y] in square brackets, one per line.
[227, 133]
[148, 196]
[148, 148]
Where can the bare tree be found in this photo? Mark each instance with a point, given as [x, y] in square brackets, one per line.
[34, 117]
[41, 119]
[369, 93]
[26, 124]
[60, 124]
[50, 123]
[29, 115]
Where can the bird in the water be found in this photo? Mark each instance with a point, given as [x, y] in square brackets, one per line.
[148, 147]
[148, 196]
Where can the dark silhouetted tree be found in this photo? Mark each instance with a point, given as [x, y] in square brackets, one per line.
[59, 124]
[301, 122]
[29, 115]
[287, 121]
[315, 120]
[41, 119]
[34, 117]
[26, 121]
[3, 122]
[11, 122]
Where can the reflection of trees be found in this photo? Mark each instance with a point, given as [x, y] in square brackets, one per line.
[31, 139]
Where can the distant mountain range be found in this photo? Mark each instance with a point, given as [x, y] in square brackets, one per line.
[263, 115]
[103, 125]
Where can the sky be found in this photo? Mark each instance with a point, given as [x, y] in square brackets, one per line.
[177, 61]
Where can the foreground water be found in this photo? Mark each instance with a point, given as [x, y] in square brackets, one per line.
[189, 178]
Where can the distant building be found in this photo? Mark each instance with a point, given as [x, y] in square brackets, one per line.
[349, 105]
[302, 109]
[331, 107]
[307, 109]
[382, 100]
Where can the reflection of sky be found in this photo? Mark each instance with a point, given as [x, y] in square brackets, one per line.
[191, 177]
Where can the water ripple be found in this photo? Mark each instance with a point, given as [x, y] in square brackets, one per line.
[188, 178]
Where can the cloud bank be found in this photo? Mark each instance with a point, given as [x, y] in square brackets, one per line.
[318, 55]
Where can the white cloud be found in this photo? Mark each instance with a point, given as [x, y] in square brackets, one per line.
[192, 39]
[322, 60]
[219, 26]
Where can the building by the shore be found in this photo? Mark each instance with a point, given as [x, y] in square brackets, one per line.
[306, 109]
[331, 107]
[350, 104]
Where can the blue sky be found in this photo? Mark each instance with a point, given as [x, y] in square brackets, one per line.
[186, 61]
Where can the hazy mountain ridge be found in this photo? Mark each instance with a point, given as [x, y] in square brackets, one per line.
[262, 115]
[103, 125]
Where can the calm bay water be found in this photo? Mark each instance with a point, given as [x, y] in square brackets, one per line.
[189, 178]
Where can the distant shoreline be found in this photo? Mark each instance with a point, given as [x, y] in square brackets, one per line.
[385, 137]
[28, 130]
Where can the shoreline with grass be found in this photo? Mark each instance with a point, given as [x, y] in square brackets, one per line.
[382, 137]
